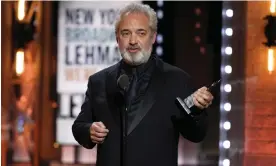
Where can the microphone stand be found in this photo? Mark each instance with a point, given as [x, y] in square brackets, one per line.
[123, 83]
[124, 129]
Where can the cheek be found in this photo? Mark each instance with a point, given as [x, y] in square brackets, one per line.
[122, 44]
[146, 44]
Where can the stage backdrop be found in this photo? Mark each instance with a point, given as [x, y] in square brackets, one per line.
[86, 45]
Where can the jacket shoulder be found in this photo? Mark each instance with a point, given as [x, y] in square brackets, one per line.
[101, 75]
[178, 79]
[173, 71]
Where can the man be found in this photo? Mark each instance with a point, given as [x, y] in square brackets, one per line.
[151, 120]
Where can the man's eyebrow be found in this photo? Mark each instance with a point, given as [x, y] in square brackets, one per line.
[141, 29]
[138, 30]
[124, 30]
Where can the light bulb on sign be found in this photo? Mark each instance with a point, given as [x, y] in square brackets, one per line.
[228, 50]
[228, 69]
[226, 144]
[160, 14]
[227, 106]
[227, 88]
[229, 13]
[159, 38]
[227, 125]
[229, 31]
[270, 60]
[21, 10]
[160, 3]
[226, 162]
[272, 6]
[159, 51]
[19, 62]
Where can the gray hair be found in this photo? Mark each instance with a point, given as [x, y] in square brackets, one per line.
[138, 8]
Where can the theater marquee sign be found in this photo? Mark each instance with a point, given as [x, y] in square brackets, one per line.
[86, 45]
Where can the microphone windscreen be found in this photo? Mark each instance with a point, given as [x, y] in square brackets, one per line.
[123, 81]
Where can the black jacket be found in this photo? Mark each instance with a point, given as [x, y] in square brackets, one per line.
[152, 138]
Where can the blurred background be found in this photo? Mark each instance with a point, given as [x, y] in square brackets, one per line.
[49, 48]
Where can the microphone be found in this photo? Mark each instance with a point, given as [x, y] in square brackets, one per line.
[123, 82]
[188, 103]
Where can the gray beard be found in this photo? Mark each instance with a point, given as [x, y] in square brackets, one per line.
[136, 59]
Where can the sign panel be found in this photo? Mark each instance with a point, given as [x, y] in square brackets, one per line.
[86, 45]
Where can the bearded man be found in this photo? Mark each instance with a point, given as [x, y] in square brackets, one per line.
[139, 125]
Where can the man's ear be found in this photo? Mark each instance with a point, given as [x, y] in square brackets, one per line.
[153, 37]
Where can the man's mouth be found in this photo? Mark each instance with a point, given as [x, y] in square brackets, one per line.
[133, 50]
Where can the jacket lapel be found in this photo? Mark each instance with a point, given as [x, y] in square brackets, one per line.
[113, 95]
[151, 96]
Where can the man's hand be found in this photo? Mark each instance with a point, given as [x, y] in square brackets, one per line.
[98, 132]
[202, 98]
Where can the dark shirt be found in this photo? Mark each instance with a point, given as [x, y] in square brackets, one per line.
[139, 81]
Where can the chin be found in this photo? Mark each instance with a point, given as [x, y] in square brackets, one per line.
[136, 58]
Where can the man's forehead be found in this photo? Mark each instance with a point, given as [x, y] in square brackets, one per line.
[134, 21]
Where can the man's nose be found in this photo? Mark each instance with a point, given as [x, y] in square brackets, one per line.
[133, 39]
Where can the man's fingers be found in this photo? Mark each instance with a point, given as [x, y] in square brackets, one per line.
[99, 135]
[202, 102]
[198, 104]
[101, 130]
[97, 127]
[206, 95]
[202, 89]
[100, 124]
[200, 99]
[98, 132]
